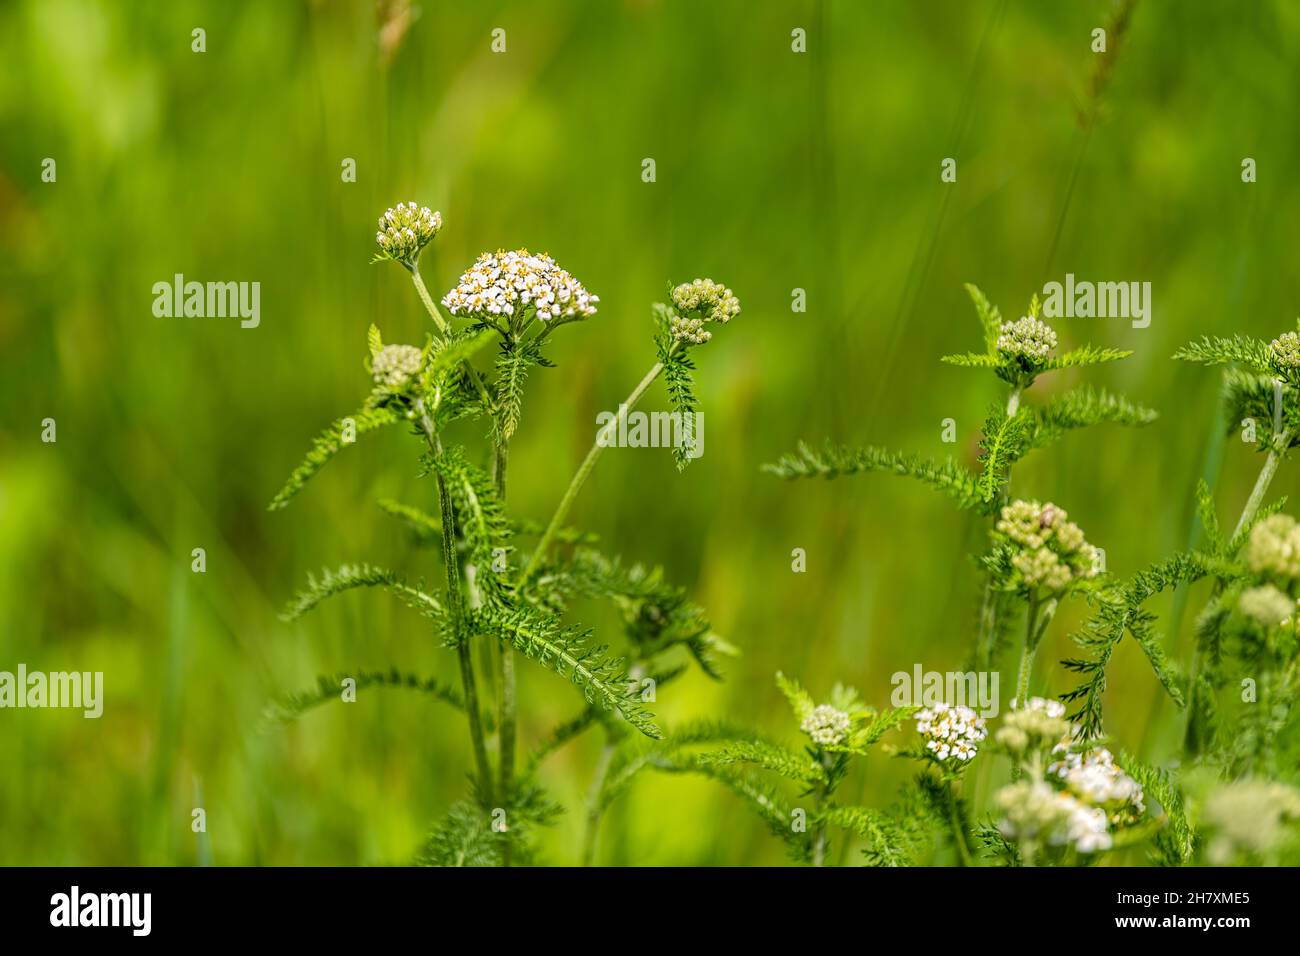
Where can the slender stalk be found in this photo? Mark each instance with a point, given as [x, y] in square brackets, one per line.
[593, 804]
[588, 463]
[456, 607]
[1281, 439]
[1257, 493]
[1037, 617]
[427, 299]
[506, 710]
[445, 328]
[958, 831]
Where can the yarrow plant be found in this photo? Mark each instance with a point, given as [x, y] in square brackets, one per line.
[515, 598]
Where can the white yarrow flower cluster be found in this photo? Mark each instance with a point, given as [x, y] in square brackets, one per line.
[1268, 606]
[507, 283]
[406, 229]
[1036, 813]
[396, 365]
[826, 725]
[1027, 339]
[951, 732]
[1095, 778]
[1037, 727]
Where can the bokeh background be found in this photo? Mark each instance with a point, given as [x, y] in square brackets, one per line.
[775, 171]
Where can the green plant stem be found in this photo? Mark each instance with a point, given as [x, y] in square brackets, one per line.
[958, 831]
[588, 463]
[456, 608]
[506, 717]
[593, 804]
[445, 328]
[1280, 440]
[1037, 617]
[1265, 479]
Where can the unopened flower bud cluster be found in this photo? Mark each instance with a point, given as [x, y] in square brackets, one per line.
[1038, 726]
[1028, 340]
[704, 302]
[1274, 547]
[406, 229]
[1268, 606]
[396, 365]
[1050, 551]
[1284, 354]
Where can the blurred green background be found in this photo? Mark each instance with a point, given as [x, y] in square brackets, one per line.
[775, 171]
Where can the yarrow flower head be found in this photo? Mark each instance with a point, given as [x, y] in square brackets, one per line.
[826, 725]
[406, 229]
[1094, 777]
[699, 304]
[395, 366]
[1036, 815]
[1027, 341]
[507, 284]
[1284, 355]
[1267, 606]
[1038, 726]
[1274, 547]
[951, 732]
[1050, 552]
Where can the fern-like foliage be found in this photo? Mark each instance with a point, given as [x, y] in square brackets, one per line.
[470, 834]
[1251, 398]
[1085, 356]
[1119, 610]
[949, 477]
[512, 370]
[656, 615]
[351, 576]
[329, 689]
[679, 380]
[1004, 441]
[566, 651]
[328, 444]
[1174, 842]
[1082, 408]
[886, 840]
[1241, 350]
[482, 520]
[797, 768]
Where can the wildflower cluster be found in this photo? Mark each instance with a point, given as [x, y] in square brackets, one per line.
[395, 366]
[1049, 551]
[1267, 605]
[1027, 341]
[951, 732]
[1033, 729]
[1284, 355]
[1093, 777]
[826, 725]
[1037, 816]
[699, 304]
[406, 229]
[507, 284]
[1274, 549]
